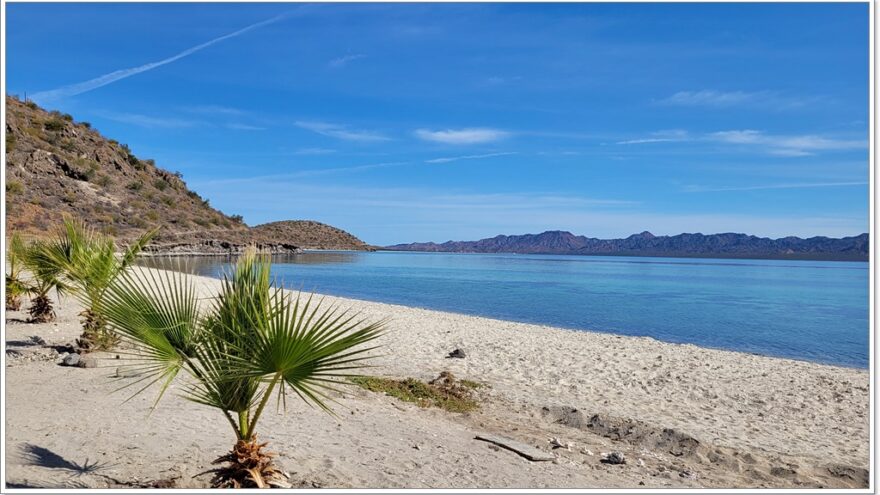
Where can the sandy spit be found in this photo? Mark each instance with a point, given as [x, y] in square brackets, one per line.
[682, 415]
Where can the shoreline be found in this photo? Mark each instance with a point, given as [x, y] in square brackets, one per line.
[750, 420]
[545, 325]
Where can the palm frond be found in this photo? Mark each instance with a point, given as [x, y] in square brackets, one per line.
[158, 312]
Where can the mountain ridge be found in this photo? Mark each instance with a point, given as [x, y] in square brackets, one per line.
[722, 245]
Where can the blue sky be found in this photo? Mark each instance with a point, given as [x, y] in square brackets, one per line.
[420, 122]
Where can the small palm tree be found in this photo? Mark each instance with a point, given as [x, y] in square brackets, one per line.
[89, 264]
[46, 276]
[253, 341]
[16, 286]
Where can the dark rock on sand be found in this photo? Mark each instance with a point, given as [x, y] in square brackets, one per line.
[458, 353]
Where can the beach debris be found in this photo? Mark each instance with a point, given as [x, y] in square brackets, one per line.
[556, 443]
[586, 451]
[88, 362]
[37, 340]
[71, 359]
[614, 458]
[457, 353]
[640, 462]
[527, 451]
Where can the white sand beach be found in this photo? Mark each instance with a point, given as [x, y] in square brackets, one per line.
[682, 415]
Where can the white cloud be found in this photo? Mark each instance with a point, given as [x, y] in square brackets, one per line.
[79, 88]
[724, 99]
[774, 144]
[708, 97]
[787, 145]
[793, 185]
[341, 132]
[214, 110]
[148, 121]
[314, 151]
[462, 136]
[298, 174]
[747, 136]
[339, 62]
[468, 157]
[244, 127]
[666, 136]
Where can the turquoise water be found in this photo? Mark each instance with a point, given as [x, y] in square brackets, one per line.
[811, 310]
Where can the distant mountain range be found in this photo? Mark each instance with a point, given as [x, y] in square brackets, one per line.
[727, 245]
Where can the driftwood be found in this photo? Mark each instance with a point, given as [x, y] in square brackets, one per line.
[527, 451]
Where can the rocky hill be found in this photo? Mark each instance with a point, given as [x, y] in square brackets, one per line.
[727, 245]
[308, 234]
[55, 165]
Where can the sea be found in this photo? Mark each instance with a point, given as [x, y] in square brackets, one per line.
[809, 310]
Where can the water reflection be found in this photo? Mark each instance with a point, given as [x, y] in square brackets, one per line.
[211, 265]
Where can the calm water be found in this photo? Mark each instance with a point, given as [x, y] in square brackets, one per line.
[812, 310]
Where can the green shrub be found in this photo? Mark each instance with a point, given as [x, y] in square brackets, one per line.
[68, 145]
[14, 187]
[160, 184]
[168, 200]
[31, 105]
[54, 124]
[91, 171]
[10, 142]
[67, 117]
[87, 125]
[237, 218]
[104, 180]
[135, 185]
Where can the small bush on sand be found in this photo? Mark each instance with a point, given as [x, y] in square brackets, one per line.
[253, 342]
[444, 392]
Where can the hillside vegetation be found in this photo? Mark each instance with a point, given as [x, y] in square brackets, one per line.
[56, 165]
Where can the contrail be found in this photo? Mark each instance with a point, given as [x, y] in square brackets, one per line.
[79, 88]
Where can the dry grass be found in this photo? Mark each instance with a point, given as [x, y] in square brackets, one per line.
[445, 392]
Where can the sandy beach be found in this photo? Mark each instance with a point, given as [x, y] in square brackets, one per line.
[682, 415]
